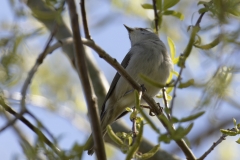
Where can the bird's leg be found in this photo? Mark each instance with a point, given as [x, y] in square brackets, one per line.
[134, 129]
[143, 88]
[151, 112]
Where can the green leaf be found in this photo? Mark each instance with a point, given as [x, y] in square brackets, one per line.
[169, 3]
[169, 90]
[169, 97]
[133, 149]
[202, 2]
[235, 125]
[159, 5]
[228, 132]
[175, 60]
[234, 122]
[186, 84]
[202, 10]
[164, 138]
[150, 81]
[113, 136]
[172, 47]
[174, 13]
[129, 109]
[214, 43]
[181, 132]
[176, 73]
[130, 140]
[147, 119]
[150, 153]
[192, 117]
[174, 120]
[238, 141]
[147, 6]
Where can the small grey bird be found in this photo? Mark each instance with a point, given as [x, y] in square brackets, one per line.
[147, 56]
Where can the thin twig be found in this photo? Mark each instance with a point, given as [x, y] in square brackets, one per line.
[223, 137]
[197, 24]
[82, 69]
[32, 127]
[84, 20]
[28, 81]
[166, 103]
[175, 90]
[134, 129]
[41, 125]
[156, 18]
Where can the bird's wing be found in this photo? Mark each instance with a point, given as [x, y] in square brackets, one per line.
[115, 80]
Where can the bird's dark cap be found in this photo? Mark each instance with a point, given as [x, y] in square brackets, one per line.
[128, 28]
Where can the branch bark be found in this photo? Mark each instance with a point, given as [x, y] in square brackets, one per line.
[90, 97]
[99, 81]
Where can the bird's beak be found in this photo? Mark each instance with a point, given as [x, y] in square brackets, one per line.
[128, 28]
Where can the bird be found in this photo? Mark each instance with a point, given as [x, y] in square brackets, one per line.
[147, 56]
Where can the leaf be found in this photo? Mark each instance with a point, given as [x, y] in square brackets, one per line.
[228, 132]
[113, 136]
[238, 141]
[172, 47]
[169, 3]
[202, 2]
[152, 82]
[214, 43]
[147, 6]
[174, 120]
[150, 153]
[164, 138]
[181, 132]
[186, 84]
[175, 60]
[133, 149]
[203, 10]
[169, 97]
[234, 122]
[174, 13]
[129, 109]
[147, 119]
[191, 117]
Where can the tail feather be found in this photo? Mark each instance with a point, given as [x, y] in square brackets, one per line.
[89, 145]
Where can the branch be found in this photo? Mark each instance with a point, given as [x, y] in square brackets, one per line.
[223, 137]
[86, 83]
[156, 18]
[31, 126]
[28, 81]
[84, 20]
[99, 81]
[184, 56]
[113, 62]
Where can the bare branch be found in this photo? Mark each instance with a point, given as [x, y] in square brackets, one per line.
[223, 137]
[84, 20]
[82, 69]
[183, 58]
[28, 81]
[156, 18]
[31, 126]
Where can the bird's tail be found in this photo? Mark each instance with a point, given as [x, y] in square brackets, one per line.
[88, 146]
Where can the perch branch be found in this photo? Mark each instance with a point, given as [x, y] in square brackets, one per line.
[83, 74]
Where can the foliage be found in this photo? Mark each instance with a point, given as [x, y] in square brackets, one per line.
[212, 40]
